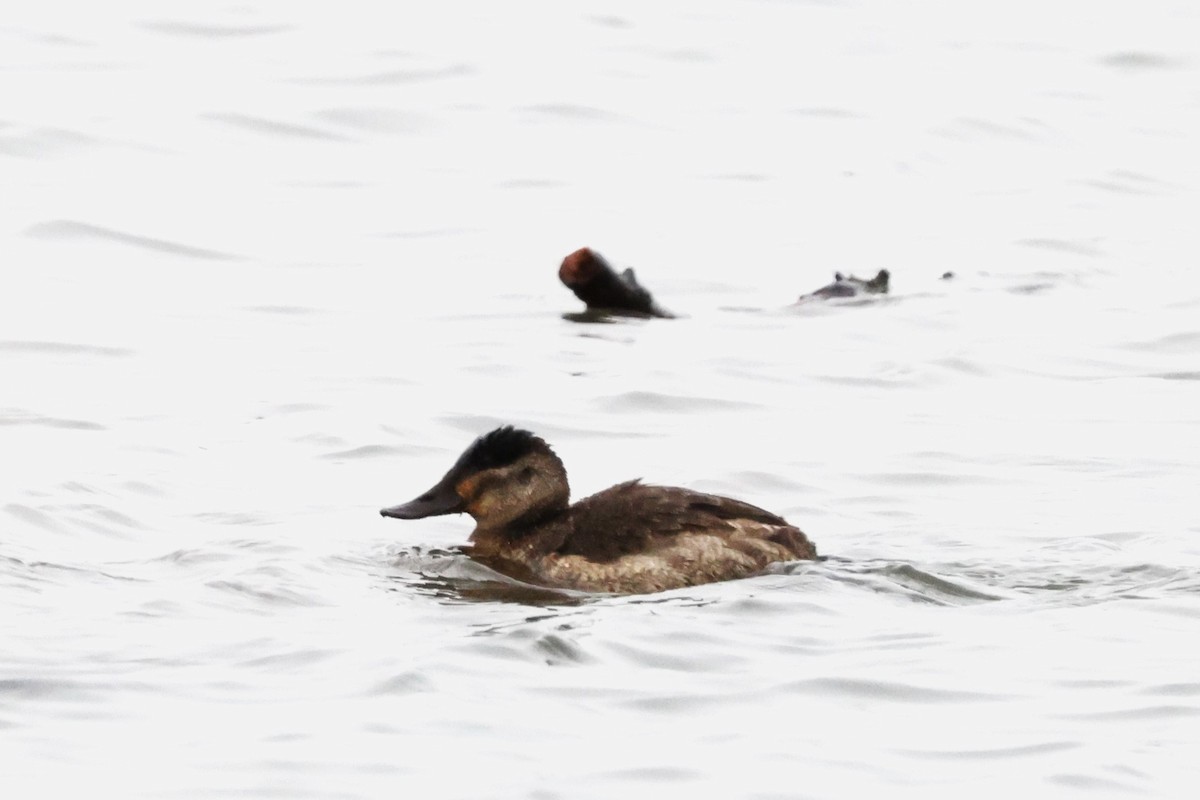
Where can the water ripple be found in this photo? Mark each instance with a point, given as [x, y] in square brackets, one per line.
[271, 127]
[453, 576]
[671, 775]
[1177, 376]
[1063, 246]
[970, 128]
[826, 112]
[289, 311]
[46, 572]
[209, 30]
[891, 691]
[1091, 783]
[1175, 690]
[392, 77]
[290, 659]
[572, 111]
[62, 348]
[1125, 182]
[67, 230]
[646, 401]
[256, 588]
[1183, 342]
[43, 688]
[368, 451]
[376, 120]
[18, 417]
[35, 517]
[1159, 712]
[991, 753]
[44, 142]
[403, 683]
[1134, 60]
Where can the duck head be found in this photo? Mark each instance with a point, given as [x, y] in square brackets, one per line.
[506, 477]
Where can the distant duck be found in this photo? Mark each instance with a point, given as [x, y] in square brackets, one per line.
[628, 539]
[586, 273]
[850, 286]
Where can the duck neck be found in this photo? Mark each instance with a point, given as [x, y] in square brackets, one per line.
[517, 528]
[526, 538]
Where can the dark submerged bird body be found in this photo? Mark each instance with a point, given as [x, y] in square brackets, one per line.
[630, 538]
[593, 280]
[851, 286]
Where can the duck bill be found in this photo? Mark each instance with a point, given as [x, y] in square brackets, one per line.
[441, 499]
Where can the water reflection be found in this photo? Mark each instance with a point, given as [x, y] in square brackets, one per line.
[451, 575]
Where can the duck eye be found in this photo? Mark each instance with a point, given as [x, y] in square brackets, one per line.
[525, 475]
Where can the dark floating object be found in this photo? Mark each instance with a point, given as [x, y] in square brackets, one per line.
[948, 275]
[850, 286]
[595, 282]
[629, 538]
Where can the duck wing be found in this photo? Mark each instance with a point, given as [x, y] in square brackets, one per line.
[632, 518]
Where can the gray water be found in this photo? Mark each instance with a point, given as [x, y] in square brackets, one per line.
[269, 267]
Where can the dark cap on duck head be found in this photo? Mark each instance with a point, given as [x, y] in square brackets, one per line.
[498, 448]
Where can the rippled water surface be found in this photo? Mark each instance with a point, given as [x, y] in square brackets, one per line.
[269, 267]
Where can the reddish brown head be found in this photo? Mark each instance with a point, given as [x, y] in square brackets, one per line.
[582, 267]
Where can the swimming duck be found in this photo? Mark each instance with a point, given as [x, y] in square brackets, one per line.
[629, 539]
[851, 286]
[593, 280]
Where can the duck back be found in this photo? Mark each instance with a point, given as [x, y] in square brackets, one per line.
[637, 538]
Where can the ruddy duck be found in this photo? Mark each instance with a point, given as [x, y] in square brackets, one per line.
[850, 286]
[629, 539]
[595, 282]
